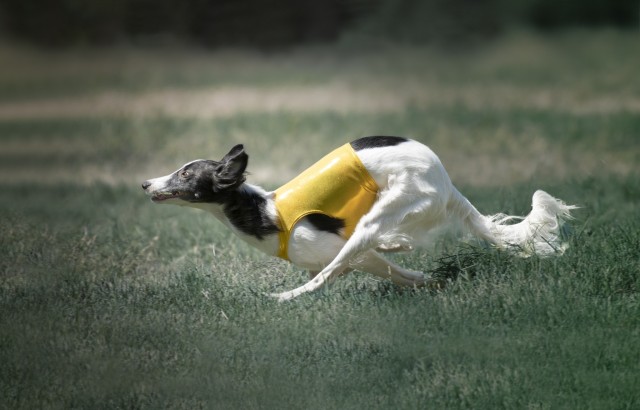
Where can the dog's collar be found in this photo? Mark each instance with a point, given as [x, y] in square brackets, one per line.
[338, 186]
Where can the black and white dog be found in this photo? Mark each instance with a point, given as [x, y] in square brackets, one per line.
[411, 195]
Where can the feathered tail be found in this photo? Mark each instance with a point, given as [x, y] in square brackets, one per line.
[541, 233]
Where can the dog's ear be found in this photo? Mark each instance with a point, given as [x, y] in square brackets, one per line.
[230, 172]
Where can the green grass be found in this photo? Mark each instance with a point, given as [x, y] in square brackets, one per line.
[122, 304]
[108, 301]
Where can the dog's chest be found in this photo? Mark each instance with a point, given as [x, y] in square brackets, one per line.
[338, 186]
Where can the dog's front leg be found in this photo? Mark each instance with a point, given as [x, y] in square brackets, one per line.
[370, 226]
[327, 275]
[358, 242]
[361, 240]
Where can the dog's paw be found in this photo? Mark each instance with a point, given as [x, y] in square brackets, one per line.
[282, 297]
[392, 248]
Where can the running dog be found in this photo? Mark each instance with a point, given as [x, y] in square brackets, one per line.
[372, 195]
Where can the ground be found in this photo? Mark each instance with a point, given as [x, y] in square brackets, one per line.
[109, 301]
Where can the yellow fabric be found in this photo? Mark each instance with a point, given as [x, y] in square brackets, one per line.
[338, 186]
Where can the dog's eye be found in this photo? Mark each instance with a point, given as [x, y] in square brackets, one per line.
[184, 174]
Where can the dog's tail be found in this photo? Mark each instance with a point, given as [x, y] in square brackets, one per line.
[542, 232]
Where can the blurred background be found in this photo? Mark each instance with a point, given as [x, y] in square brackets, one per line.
[121, 89]
[276, 24]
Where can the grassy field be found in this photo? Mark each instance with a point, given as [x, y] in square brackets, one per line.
[108, 301]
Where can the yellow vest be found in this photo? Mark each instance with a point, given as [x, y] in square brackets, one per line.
[338, 186]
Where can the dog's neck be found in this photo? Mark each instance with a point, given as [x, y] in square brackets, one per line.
[250, 212]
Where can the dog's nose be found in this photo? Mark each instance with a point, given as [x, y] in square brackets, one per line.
[145, 185]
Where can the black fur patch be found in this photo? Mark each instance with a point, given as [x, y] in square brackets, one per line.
[326, 223]
[246, 211]
[376, 142]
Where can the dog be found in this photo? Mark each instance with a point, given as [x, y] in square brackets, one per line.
[373, 195]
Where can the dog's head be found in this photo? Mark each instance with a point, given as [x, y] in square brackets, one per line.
[200, 181]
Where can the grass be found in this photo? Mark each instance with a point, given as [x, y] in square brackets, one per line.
[123, 310]
[107, 301]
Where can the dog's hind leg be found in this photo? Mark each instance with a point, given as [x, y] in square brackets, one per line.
[372, 262]
[388, 212]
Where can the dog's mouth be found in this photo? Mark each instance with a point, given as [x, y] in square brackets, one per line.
[163, 196]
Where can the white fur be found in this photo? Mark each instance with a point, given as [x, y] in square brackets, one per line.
[416, 197]
[159, 184]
